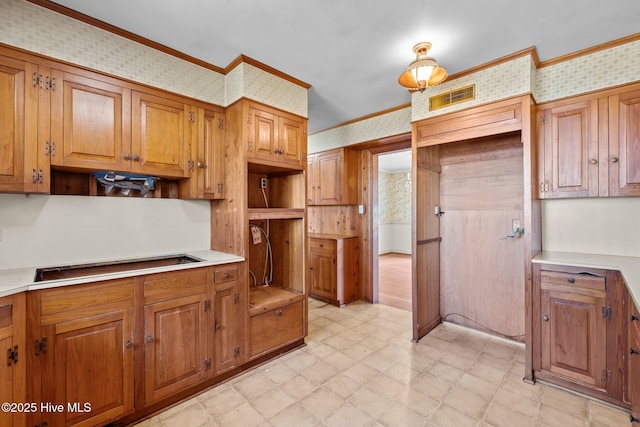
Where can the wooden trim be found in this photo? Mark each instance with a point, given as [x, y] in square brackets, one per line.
[264, 67]
[368, 116]
[162, 48]
[590, 50]
[386, 144]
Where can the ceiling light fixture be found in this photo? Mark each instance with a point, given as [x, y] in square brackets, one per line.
[423, 72]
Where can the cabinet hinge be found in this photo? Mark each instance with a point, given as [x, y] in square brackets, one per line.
[41, 345]
[12, 356]
[34, 176]
[606, 376]
[544, 120]
[249, 118]
[50, 83]
[220, 188]
[207, 305]
[236, 298]
[236, 352]
[37, 79]
[191, 165]
[606, 313]
[249, 145]
[220, 124]
[634, 318]
[52, 149]
[47, 149]
[207, 364]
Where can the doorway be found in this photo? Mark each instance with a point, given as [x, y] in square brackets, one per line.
[394, 229]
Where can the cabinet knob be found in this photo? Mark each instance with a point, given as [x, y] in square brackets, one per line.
[218, 326]
[127, 156]
[571, 280]
[135, 158]
[614, 160]
[593, 161]
[149, 339]
[545, 318]
[129, 344]
[278, 312]
[200, 165]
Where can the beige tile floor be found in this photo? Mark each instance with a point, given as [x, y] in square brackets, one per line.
[360, 368]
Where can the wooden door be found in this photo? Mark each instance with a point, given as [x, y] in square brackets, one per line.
[574, 336]
[329, 180]
[426, 250]
[311, 179]
[624, 144]
[228, 329]
[161, 128]
[211, 155]
[88, 364]
[571, 150]
[263, 128]
[18, 125]
[175, 351]
[90, 123]
[291, 140]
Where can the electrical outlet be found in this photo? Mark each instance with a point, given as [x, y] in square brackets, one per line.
[255, 235]
[263, 183]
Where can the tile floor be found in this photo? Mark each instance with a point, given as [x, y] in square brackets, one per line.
[360, 368]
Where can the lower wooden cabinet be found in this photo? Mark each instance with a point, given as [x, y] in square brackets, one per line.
[12, 373]
[579, 315]
[333, 268]
[276, 328]
[634, 361]
[229, 311]
[85, 348]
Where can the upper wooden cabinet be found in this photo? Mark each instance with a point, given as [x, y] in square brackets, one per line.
[588, 145]
[333, 177]
[276, 136]
[24, 126]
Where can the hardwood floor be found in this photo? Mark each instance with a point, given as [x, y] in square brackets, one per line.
[394, 280]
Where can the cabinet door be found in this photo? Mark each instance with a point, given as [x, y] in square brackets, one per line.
[263, 128]
[323, 269]
[624, 146]
[634, 360]
[174, 346]
[329, 180]
[574, 336]
[571, 150]
[291, 141]
[90, 123]
[228, 329]
[89, 361]
[311, 179]
[18, 125]
[211, 158]
[6, 379]
[161, 129]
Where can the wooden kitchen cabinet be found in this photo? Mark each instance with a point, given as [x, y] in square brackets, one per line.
[275, 328]
[333, 177]
[624, 150]
[229, 310]
[333, 268]
[24, 128]
[86, 350]
[12, 373]
[633, 365]
[207, 156]
[579, 313]
[569, 137]
[176, 318]
[90, 123]
[587, 145]
[275, 135]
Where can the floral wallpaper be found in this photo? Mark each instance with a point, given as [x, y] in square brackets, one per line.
[40, 30]
[394, 198]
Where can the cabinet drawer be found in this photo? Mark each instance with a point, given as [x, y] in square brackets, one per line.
[224, 275]
[320, 245]
[585, 281]
[174, 284]
[276, 328]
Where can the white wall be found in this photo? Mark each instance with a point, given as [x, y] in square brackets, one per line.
[608, 226]
[51, 230]
[394, 238]
[394, 207]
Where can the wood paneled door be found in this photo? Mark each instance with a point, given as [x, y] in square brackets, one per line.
[624, 144]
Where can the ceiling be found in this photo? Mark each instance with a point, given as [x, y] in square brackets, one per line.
[398, 161]
[352, 51]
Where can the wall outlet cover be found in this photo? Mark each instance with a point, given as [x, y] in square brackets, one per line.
[255, 235]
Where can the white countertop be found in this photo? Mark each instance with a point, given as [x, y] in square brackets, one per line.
[628, 266]
[23, 279]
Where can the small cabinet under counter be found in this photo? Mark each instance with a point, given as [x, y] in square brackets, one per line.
[333, 268]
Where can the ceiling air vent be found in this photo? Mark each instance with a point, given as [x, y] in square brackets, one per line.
[452, 97]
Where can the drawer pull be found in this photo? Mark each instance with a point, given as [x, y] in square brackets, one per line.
[571, 280]
[545, 318]
[278, 312]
